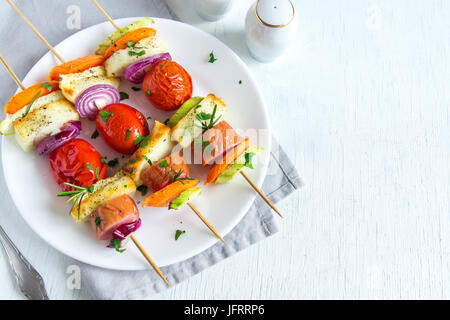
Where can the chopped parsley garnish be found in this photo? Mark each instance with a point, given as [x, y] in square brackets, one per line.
[31, 103]
[115, 243]
[142, 189]
[132, 46]
[141, 141]
[147, 159]
[137, 54]
[132, 160]
[135, 88]
[104, 115]
[89, 166]
[163, 164]
[47, 86]
[94, 134]
[178, 233]
[248, 160]
[123, 95]
[113, 163]
[148, 92]
[97, 172]
[127, 135]
[103, 160]
[240, 81]
[211, 57]
[98, 220]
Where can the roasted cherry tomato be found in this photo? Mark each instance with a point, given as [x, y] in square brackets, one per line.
[122, 127]
[76, 162]
[167, 85]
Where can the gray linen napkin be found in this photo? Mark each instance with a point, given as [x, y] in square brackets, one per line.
[98, 283]
[258, 223]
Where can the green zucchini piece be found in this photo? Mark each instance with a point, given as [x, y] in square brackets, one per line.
[235, 167]
[183, 110]
[184, 197]
[120, 33]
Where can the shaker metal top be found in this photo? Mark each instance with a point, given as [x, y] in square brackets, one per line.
[274, 13]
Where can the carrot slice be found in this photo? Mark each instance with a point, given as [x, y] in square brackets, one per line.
[135, 36]
[75, 66]
[25, 97]
[228, 159]
[162, 197]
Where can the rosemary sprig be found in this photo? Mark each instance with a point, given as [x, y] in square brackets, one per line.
[30, 104]
[176, 177]
[76, 196]
[204, 117]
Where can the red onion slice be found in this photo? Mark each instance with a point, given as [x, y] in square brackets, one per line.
[124, 230]
[68, 131]
[136, 71]
[94, 98]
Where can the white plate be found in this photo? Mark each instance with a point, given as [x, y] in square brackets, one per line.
[34, 190]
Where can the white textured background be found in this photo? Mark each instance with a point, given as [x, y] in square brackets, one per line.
[361, 104]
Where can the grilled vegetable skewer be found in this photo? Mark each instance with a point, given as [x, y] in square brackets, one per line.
[112, 212]
[165, 173]
[39, 116]
[83, 81]
[219, 145]
[137, 54]
[83, 84]
[98, 174]
[141, 157]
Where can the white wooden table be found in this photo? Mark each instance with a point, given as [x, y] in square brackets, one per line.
[361, 104]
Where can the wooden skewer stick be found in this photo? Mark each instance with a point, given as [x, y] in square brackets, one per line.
[198, 213]
[11, 73]
[35, 31]
[260, 193]
[190, 204]
[139, 246]
[135, 241]
[8, 68]
[105, 14]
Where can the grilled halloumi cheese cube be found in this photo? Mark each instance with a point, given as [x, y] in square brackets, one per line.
[73, 84]
[158, 147]
[43, 122]
[117, 63]
[104, 190]
[189, 127]
[7, 125]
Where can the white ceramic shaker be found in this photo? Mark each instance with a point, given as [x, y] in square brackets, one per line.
[270, 28]
[212, 10]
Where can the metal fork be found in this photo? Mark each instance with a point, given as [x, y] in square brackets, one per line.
[29, 280]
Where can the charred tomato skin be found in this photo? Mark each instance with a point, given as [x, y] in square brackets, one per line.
[121, 128]
[76, 162]
[167, 85]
